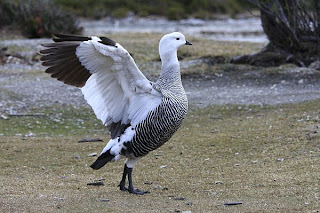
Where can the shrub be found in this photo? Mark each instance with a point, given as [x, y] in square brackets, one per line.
[7, 13]
[39, 18]
[172, 9]
[176, 13]
[120, 12]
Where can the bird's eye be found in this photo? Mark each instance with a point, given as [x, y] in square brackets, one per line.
[178, 38]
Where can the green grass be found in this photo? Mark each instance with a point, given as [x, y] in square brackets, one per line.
[266, 157]
[53, 121]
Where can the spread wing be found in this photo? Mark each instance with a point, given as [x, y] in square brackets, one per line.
[119, 94]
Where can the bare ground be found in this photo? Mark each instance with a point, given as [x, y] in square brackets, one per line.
[27, 86]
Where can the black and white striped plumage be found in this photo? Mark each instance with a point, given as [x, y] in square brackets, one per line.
[140, 115]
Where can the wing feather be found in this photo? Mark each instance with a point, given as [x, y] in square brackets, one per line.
[119, 94]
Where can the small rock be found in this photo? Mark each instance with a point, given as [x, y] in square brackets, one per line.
[148, 182]
[187, 212]
[280, 159]
[218, 182]
[189, 203]
[163, 166]
[4, 117]
[76, 156]
[179, 198]
[301, 81]
[30, 134]
[105, 200]
[43, 168]
[93, 154]
[315, 65]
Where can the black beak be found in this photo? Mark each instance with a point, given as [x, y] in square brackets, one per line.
[188, 42]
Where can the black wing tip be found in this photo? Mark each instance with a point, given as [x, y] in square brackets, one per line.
[95, 166]
[98, 164]
[59, 37]
[102, 160]
[107, 41]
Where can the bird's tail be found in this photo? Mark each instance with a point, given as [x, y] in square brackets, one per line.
[102, 160]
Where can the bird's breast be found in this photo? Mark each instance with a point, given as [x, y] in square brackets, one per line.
[160, 124]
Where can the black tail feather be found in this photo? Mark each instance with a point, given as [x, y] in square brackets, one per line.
[102, 160]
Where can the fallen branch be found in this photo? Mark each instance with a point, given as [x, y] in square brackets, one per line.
[96, 184]
[90, 140]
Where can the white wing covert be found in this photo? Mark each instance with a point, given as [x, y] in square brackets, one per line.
[114, 87]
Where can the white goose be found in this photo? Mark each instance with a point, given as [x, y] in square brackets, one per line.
[140, 115]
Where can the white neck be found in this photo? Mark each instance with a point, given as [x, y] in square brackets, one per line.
[170, 74]
[169, 59]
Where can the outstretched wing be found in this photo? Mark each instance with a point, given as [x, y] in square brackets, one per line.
[110, 81]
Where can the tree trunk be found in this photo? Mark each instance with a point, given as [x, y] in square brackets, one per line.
[292, 39]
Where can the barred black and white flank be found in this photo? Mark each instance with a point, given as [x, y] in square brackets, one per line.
[140, 115]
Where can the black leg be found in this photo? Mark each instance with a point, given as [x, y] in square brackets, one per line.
[130, 188]
[122, 184]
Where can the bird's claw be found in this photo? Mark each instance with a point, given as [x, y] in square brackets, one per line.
[138, 192]
[123, 188]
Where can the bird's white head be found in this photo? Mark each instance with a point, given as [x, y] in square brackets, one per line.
[171, 42]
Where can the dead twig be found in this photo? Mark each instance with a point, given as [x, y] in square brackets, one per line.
[90, 140]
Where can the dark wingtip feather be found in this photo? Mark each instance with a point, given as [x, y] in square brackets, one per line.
[66, 37]
[102, 160]
[107, 41]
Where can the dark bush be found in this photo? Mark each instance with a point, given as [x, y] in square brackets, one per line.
[38, 18]
[120, 12]
[176, 12]
[172, 9]
[7, 13]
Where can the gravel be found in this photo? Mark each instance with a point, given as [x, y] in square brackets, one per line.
[24, 87]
